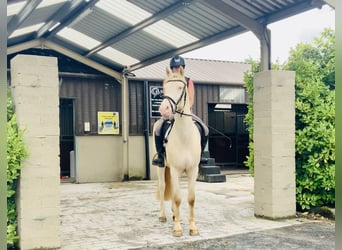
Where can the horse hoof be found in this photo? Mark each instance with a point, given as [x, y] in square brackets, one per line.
[162, 219]
[193, 232]
[177, 233]
[173, 218]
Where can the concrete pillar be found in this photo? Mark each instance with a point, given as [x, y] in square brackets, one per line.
[274, 144]
[34, 81]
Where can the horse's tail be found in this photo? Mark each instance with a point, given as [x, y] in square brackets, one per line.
[168, 187]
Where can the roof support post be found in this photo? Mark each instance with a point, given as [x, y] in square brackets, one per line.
[265, 50]
[125, 125]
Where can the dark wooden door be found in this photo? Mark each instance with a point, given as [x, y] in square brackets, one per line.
[67, 135]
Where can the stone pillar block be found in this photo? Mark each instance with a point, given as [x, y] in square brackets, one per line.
[274, 144]
[35, 90]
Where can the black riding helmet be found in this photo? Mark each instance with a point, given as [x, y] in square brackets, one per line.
[177, 61]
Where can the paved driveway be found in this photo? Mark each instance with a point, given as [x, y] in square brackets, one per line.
[125, 215]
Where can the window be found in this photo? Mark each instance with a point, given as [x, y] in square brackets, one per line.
[232, 95]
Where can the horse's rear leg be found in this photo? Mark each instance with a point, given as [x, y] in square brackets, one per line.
[161, 191]
[176, 201]
[192, 176]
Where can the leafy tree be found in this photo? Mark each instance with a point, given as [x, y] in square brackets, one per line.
[248, 79]
[326, 57]
[315, 120]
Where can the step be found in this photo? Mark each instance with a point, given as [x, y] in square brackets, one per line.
[210, 162]
[209, 169]
[215, 178]
[206, 154]
[212, 178]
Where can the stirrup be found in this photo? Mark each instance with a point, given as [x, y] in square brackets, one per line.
[157, 161]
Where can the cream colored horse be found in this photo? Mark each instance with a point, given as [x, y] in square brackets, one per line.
[183, 151]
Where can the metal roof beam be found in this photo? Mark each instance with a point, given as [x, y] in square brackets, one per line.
[72, 16]
[82, 59]
[42, 43]
[260, 30]
[264, 49]
[234, 14]
[24, 46]
[18, 19]
[149, 21]
[195, 45]
[331, 3]
[58, 17]
[291, 11]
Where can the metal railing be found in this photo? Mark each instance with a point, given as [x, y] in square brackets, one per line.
[223, 135]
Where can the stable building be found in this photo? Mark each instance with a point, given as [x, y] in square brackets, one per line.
[90, 120]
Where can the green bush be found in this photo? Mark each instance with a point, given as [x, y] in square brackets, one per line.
[16, 152]
[315, 120]
[248, 79]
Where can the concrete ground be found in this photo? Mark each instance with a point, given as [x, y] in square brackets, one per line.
[125, 216]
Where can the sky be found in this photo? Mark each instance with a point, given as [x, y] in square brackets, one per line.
[285, 34]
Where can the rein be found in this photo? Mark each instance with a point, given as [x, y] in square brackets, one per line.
[174, 103]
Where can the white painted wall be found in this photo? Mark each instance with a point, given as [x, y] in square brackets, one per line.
[98, 159]
[137, 157]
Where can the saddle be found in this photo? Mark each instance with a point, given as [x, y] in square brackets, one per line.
[168, 124]
[162, 139]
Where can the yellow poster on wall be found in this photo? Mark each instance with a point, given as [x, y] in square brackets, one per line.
[108, 123]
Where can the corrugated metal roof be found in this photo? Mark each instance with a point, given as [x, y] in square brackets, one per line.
[201, 71]
[128, 35]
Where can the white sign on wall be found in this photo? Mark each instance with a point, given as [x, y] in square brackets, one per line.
[156, 97]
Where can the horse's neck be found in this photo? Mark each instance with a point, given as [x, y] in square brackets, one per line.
[182, 126]
[184, 120]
